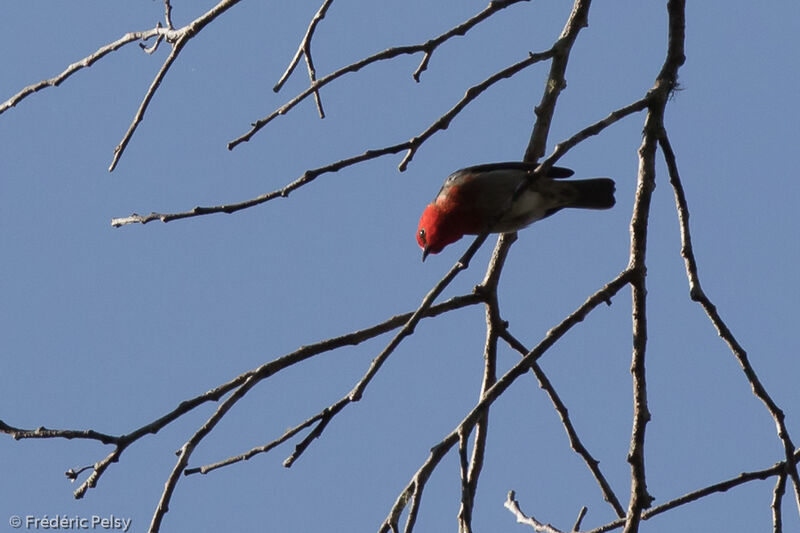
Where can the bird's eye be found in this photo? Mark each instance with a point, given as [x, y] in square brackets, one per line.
[422, 235]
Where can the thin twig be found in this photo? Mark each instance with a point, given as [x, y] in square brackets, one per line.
[640, 499]
[168, 14]
[581, 515]
[574, 441]
[310, 175]
[305, 50]
[494, 325]
[722, 486]
[150, 50]
[653, 130]
[697, 294]
[460, 30]
[512, 505]
[266, 370]
[151, 91]
[188, 448]
[98, 470]
[350, 339]
[355, 394]
[615, 116]
[86, 62]
[467, 494]
[45, 433]
[179, 40]
[556, 82]
[318, 16]
[472, 93]
[777, 498]
[289, 433]
[389, 53]
[415, 487]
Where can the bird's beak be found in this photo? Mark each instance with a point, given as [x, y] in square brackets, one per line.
[425, 252]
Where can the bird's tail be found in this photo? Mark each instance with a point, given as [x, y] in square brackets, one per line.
[595, 193]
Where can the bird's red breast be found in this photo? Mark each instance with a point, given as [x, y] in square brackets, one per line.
[443, 222]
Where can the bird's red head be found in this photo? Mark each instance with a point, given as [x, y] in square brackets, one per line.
[436, 230]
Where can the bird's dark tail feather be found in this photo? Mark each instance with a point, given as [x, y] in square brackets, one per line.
[595, 193]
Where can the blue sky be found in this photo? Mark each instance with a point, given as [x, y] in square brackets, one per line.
[109, 329]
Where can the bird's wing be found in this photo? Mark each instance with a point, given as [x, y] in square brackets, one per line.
[488, 189]
[555, 172]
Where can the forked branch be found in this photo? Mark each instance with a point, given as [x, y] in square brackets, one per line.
[304, 50]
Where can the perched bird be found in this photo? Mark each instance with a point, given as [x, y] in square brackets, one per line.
[503, 197]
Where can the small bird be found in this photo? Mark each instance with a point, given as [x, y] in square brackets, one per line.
[488, 198]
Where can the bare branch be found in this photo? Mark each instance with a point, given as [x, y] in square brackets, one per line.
[512, 505]
[467, 494]
[745, 477]
[653, 130]
[322, 420]
[574, 441]
[98, 470]
[389, 53]
[494, 325]
[151, 91]
[777, 497]
[178, 41]
[460, 30]
[358, 390]
[304, 44]
[675, 58]
[698, 295]
[168, 14]
[255, 451]
[581, 515]
[178, 38]
[640, 499]
[722, 486]
[472, 93]
[578, 19]
[615, 116]
[310, 175]
[86, 62]
[307, 177]
[417, 483]
[395, 322]
[305, 50]
[150, 50]
[188, 448]
[44, 433]
[262, 372]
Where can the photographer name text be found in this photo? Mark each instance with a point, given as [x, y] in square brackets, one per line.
[65, 522]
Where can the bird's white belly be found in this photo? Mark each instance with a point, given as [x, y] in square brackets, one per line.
[528, 208]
